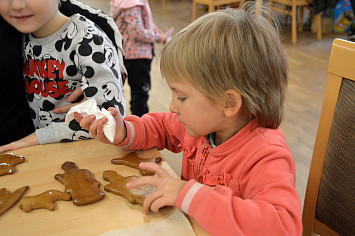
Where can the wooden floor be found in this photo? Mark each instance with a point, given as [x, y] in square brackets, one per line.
[308, 62]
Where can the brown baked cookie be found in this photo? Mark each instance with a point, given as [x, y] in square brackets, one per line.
[43, 200]
[81, 184]
[8, 162]
[118, 186]
[7, 199]
[132, 160]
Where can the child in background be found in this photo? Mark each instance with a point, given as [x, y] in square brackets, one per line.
[135, 22]
[62, 53]
[228, 75]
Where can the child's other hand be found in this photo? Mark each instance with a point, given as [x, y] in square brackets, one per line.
[160, 39]
[96, 127]
[167, 35]
[167, 187]
[27, 141]
[73, 98]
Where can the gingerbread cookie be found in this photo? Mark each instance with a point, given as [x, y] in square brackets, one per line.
[43, 200]
[81, 184]
[7, 199]
[118, 186]
[8, 162]
[132, 160]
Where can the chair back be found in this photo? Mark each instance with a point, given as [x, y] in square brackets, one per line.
[329, 206]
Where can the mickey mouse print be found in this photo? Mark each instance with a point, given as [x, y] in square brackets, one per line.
[78, 54]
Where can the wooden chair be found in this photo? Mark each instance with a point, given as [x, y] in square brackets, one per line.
[329, 206]
[284, 6]
[212, 4]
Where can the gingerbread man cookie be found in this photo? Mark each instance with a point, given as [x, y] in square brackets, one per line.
[8, 162]
[7, 199]
[43, 200]
[132, 160]
[118, 186]
[81, 184]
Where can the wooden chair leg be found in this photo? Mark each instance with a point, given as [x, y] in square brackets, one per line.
[319, 25]
[300, 21]
[211, 8]
[194, 10]
[294, 22]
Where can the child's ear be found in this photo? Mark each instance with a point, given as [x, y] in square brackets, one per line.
[232, 103]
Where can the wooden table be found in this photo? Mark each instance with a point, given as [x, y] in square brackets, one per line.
[44, 161]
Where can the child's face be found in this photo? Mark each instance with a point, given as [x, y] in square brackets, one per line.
[31, 16]
[194, 110]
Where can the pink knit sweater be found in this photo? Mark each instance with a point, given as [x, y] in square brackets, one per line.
[135, 22]
[245, 186]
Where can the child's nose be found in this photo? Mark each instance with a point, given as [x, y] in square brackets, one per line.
[172, 107]
[18, 4]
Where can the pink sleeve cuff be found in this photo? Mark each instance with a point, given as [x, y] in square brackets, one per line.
[187, 194]
[130, 135]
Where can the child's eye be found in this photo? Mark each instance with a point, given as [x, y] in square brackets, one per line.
[181, 99]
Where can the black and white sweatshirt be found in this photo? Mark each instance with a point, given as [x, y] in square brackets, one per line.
[78, 54]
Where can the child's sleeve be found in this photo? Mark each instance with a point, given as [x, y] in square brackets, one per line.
[61, 132]
[268, 203]
[159, 130]
[137, 28]
[114, 11]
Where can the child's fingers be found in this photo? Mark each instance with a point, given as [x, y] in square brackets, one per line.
[93, 128]
[150, 180]
[153, 167]
[75, 95]
[149, 200]
[86, 122]
[77, 117]
[100, 130]
[113, 111]
[159, 203]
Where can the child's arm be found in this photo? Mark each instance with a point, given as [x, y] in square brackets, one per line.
[138, 31]
[167, 187]
[27, 141]
[160, 130]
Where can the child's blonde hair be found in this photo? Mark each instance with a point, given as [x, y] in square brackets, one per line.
[232, 49]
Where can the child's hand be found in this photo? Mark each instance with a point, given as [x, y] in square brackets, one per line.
[27, 141]
[165, 37]
[167, 187]
[96, 127]
[73, 97]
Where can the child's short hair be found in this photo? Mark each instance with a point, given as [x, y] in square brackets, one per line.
[232, 49]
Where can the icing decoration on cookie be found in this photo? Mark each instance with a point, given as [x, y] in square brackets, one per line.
[7, 199]
[132, 160]
[118, 186]
[81, 184]
[8, 162]
[43, 200]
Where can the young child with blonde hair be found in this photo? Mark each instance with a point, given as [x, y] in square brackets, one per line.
[228, 75]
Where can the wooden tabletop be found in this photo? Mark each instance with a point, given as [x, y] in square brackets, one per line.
[43, 162]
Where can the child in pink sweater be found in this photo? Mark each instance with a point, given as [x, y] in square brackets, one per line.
[135, 22]
[228, 75]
